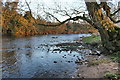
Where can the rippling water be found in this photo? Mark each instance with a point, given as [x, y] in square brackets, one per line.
[34, 57]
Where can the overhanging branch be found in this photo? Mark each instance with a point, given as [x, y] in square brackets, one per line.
[74, 19]
[53, 16]
[115, 12]
[114, 20]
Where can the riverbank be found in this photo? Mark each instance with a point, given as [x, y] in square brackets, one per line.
[74, 28]
[95, 64]
[99, 65]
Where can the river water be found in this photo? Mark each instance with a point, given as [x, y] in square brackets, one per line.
[35, 56]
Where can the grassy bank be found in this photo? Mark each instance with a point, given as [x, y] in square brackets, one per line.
[114, 57]
[96, 40]
[91, 39]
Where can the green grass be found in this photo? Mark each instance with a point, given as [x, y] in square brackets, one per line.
[114, 76]
[97, 62]
[91, 39]
[115, 56]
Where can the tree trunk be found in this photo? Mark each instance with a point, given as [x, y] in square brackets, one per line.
[110, 33]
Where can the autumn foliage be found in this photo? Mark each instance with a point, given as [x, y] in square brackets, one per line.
[14, 23]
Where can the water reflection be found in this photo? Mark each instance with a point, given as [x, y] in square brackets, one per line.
[9, 63]
[39, 56]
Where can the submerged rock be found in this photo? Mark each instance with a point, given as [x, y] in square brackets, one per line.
[55, 62]
[54, 37]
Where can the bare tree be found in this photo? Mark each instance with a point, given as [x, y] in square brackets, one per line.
[101, 18]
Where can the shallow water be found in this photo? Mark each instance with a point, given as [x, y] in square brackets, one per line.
[34, 57]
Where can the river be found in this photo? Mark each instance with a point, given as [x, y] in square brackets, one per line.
[35, 56]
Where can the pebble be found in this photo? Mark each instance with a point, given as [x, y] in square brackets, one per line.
[78, 75]
[18, 48]
[41, 56]
[65, 72]
[68, 61]
[115, 68]
[73, 55]
[55, 61]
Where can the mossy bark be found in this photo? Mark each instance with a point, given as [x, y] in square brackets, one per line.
[109, 32]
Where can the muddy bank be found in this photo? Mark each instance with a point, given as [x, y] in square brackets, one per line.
[97, 71]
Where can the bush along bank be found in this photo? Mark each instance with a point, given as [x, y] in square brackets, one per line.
[14, 23]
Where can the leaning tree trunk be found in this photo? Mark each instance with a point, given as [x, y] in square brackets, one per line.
[109, 32]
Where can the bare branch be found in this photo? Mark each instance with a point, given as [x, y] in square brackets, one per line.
[30, 11]
[115, 12]
[64, 11]
[53, 16]
[76, 11]
[61, 12]
[69, 14]
[74, 19]
[28, 6]
[114, 20]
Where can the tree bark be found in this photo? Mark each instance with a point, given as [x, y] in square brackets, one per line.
[109, 32]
